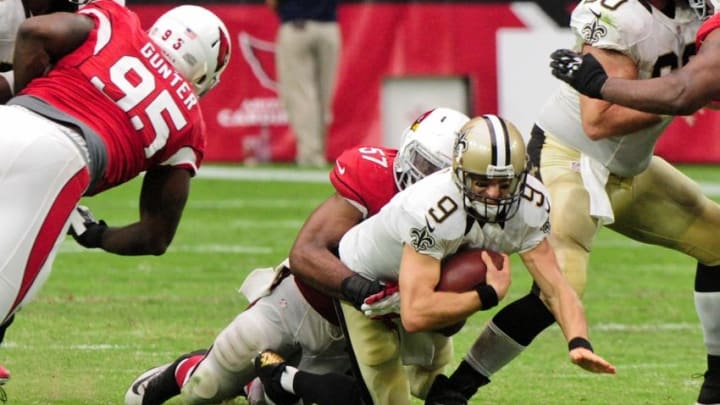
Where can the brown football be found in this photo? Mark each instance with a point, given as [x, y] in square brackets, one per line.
[465, 270]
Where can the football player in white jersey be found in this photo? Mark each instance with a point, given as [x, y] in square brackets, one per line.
[294, 316]
[596, 159]
[485, 200]
[683, 91]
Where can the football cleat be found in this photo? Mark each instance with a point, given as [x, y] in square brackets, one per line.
[135, 395]
[157, 385]
[710, 390]
[269, 366]
[442, 393]
[4, 375]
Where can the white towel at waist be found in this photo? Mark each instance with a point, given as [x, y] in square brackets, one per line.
[260, 282]
[594, 176]
[416, 349]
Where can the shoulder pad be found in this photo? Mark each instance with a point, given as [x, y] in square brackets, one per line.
[365, 175]
[535, 204]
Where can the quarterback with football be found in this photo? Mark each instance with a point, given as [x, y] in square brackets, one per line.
[292, 315]
[85, 128]
[596, 158]
[484, 200]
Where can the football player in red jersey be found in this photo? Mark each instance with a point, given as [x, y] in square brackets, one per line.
[12, 14]
[295, 316]
[100, 100]
[680, 92]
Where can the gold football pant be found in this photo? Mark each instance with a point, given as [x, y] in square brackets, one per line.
[376, 351]
[659, 206]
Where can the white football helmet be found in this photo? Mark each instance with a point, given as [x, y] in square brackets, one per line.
[427, 145]
[704, 8]
[196, 42]
[490, 148]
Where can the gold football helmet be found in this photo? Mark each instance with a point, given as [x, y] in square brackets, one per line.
[489, 153]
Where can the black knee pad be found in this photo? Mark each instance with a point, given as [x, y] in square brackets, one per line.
[707, 278]
[524, 319]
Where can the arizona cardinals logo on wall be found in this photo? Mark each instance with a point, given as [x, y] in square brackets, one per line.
[422, 239]
[251, 49]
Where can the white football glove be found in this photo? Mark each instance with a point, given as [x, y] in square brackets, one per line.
[385, 304]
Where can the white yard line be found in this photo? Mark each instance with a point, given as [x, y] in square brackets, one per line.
[648, 327]
[711, 189]
[69, 246]
[275, 174]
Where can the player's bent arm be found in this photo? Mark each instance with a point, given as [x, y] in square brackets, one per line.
[565, 306]
[556, 290]
[602, 119]
[421, 307]
[311, 257]
[44, 39]
[682, 92]
[162, 200]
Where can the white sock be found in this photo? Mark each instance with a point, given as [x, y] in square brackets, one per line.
[707, 305]
[492, 350]
[287, 378]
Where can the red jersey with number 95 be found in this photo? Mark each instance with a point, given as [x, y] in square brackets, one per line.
[119, 84]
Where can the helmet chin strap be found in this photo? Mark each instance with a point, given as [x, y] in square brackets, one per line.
[481, 211]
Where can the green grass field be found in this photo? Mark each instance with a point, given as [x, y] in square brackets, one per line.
[102, 319]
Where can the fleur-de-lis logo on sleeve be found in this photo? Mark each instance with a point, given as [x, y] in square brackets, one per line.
[593, 32]
[421, 238]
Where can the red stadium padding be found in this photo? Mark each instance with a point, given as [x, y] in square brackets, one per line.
[246, 122]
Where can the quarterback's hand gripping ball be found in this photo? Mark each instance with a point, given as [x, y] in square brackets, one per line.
[465, 270]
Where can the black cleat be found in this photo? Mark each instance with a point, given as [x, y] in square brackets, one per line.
[443, 393]
[710, 390]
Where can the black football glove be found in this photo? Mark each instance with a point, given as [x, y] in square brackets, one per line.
[583, 72]
[86, 230]
[356, 288]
